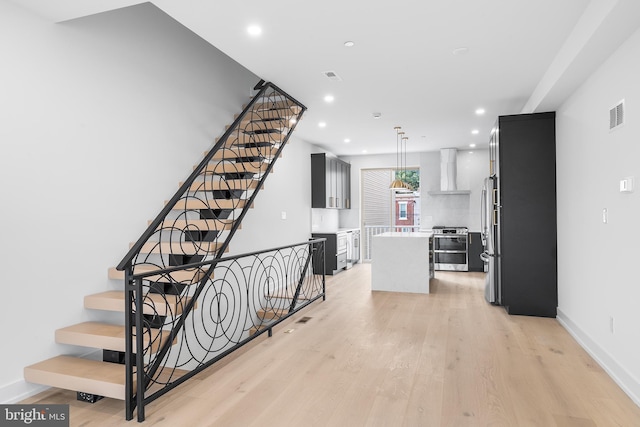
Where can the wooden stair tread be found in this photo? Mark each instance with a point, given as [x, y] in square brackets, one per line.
[264, 125]
[74, 373]
[240, 138]
[271, 313]
[163, 305]
[93, 334]
[269, 114]
[193, 203]
[232, 184]
[228, 167]
[180, 276]
[180, 248]
[108, 336]
[219, 185]
[197, 224]
[274, 105]
[239, 152]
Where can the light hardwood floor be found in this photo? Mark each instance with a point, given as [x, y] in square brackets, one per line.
[385, 359]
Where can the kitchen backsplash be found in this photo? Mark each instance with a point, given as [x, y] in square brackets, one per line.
[324, 220]
[448, 210]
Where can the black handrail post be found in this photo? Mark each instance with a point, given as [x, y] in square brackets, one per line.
[139, 348]
[128, 327]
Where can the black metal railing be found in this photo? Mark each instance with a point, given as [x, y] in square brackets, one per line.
[177, 251]
[246, 296]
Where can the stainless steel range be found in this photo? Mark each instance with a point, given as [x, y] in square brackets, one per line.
[450, 248]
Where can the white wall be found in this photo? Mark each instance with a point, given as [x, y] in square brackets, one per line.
[101, 118]
[597, 262]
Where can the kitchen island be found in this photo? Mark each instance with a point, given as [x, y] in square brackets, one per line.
[401, 262]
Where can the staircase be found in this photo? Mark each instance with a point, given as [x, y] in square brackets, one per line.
[169, 267]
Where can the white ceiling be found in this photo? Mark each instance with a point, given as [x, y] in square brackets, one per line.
[523, 56]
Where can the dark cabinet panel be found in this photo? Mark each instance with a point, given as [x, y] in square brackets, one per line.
[475, 249]
[335, 253]
[524, 162]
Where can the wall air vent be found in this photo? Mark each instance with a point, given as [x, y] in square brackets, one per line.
[332, 75]
[616, 116]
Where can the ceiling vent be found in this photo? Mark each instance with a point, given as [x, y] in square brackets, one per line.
[332, 76]
[616, 116]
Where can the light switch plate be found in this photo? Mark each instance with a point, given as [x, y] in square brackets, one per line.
[626, 185]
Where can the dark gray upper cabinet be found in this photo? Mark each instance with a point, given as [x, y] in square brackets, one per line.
[330, 182]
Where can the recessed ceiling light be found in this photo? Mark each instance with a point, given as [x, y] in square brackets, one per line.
[460, 51]
[475, 131]
[377, 115]
[328, 98]
[472, 145]
[480, 111]
[364, 151]
[347, 140]
[349, 44]
[254, 30]
[322, 124]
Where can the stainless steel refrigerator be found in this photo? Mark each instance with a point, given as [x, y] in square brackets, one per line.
[489, 232]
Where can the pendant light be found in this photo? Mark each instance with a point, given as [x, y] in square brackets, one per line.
[404, 171]
[397, 183]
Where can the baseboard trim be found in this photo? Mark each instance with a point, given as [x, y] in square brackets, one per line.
[627, 382]
[18, 391]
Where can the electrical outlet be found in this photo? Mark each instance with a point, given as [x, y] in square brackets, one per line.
[611, 325]
[605, 216]
[283, 215]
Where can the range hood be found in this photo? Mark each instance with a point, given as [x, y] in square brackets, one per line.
[448, 173]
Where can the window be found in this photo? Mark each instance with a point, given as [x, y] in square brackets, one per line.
[402, 210]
